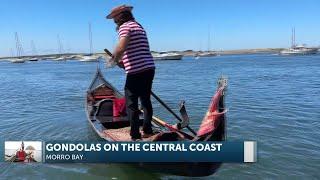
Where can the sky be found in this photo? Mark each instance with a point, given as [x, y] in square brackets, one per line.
[170, 24]
[17, 144]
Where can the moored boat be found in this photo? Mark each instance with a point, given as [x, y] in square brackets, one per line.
[17, 60]
[167, 56]
[90, 58]
[60, 59]
[206, 54]
[34, 53]
[106, 114]
[33, 59]
[298, 49]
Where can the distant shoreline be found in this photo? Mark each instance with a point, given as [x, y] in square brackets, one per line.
[230, 52]
[184, 53]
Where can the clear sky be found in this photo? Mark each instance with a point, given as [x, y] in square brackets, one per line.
[170, 24]
[17, 144]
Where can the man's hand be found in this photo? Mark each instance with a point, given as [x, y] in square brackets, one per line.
[120, 64]
[110, 62]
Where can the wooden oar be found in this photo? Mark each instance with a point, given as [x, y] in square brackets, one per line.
[172, 112]
[172, 128]
[161, 102]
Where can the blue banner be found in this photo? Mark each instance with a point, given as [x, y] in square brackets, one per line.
[111, 152]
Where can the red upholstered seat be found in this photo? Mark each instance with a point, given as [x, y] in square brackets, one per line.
[119, 107]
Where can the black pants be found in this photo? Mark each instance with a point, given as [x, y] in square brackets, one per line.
[139, 86]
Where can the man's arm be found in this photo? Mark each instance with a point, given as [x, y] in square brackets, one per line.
[120, 48]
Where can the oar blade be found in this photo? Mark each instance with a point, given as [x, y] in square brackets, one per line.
[185, 118]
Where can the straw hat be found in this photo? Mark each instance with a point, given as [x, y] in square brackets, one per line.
[119, 9]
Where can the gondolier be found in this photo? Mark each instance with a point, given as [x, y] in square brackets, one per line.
[21, 154]
[133, 54]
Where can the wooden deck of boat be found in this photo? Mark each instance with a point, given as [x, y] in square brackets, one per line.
[123, 134]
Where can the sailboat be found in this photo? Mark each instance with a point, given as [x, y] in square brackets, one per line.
[167, 56]
[34, 52]
[19, 51]
[208, 53]
[298, 49]
[60, 48]
[90, 57]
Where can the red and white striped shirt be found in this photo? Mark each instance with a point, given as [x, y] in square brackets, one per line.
[137, 56]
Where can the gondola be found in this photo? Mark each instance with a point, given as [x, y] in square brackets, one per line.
[14, 158]
[111, 124]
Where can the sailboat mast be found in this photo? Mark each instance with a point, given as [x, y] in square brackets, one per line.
[90, 38]
[18, 45]
[294, 36]
[60, 47]
[33, 47]
[58, 41]
[209, 38]
[12, 52]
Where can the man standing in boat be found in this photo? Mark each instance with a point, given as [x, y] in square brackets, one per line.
[133, 54]
[21, 154]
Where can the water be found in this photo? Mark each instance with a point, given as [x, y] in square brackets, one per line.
[271, 99]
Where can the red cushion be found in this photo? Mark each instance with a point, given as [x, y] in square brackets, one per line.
[119, 107]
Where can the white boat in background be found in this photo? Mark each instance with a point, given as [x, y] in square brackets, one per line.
[33, 59]
[49, 58]
[34, 52]
[209, 52]
[71, 57]
[60, 49]
[19, 51]
[206, 54]
[60, 59]
[17, 60]
[298, 49]
[90, 57]
[167, 56]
